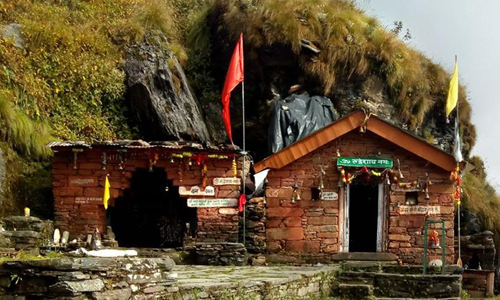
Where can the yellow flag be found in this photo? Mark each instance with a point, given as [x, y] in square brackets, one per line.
[105, 198]
[451, 102]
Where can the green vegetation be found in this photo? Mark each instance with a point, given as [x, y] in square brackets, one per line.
[352, 45]
[66, 81]
[481, 198]
[22, 255]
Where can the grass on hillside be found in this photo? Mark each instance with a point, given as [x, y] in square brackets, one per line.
[352, 45]
[481, 198]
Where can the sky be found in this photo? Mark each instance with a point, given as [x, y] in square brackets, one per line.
[466, 28]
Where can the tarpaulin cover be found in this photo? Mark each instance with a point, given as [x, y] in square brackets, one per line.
[296, 117]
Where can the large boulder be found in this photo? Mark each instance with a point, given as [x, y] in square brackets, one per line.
[159, 94]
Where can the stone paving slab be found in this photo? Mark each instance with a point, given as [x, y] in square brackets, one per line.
[229, 276]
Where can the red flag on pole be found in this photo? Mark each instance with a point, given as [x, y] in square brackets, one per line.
[233, 78]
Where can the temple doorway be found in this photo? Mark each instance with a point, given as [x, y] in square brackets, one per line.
[363, 217]
[151, 214]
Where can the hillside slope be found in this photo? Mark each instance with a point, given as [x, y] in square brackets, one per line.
[63, 74]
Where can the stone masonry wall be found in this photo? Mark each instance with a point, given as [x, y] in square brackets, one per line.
[78, 191]
[88, 278]
[313, 226]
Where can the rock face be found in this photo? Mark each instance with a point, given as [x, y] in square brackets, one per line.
[159, 94]
[13, 31]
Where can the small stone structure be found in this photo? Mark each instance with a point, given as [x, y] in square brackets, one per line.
[478, 250]
[380, 197]
[88, 278]
[25, 233]
[221, 254]
[170, 173]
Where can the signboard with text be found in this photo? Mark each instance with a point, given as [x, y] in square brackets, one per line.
[227, 181]
[218, 202]
[330, 196]
[88, 200]
[196, 191]
[359, 162]
[419, 210]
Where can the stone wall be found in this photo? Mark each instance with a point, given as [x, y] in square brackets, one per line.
[25, 233]
[256, 225]
[221, 254]
[78, 189]
[313, 226]
[479, 284]
[88, 278]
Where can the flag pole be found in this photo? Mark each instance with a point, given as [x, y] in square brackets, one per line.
[244, 159]
[459, 202]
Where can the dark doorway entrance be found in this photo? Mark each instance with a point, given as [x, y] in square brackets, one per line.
[363, 215]
[151, 214]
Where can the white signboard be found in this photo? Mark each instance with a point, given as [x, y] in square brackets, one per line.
[219, 202]
[227, 181]
[196, 191]
[419, 210]
[330, 196]
[88, 200]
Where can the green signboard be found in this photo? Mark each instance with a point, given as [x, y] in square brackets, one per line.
[360, 162]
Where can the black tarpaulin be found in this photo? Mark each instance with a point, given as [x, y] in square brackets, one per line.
[296, 117]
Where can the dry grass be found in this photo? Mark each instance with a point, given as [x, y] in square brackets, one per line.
[352, 44]
[481, 198]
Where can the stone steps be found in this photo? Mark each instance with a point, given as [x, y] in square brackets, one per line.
[362, 266]
[355, 291]
[357, 277]
[363, 279]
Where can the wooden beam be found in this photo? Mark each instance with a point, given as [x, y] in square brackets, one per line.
[412, 144]
[340, 127]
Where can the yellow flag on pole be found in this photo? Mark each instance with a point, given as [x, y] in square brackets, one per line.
[451, 102]
[105, 198]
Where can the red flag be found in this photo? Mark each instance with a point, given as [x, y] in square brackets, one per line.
[242, 201]
[233, 78]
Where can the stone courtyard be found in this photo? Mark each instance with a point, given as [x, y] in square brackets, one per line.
[275, 282]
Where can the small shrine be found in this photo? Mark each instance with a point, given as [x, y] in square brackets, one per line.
[161, 194]
[361, 184]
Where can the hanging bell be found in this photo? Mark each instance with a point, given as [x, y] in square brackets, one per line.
[293, 199]
[172, 159]
[427, 197]
[298, 196]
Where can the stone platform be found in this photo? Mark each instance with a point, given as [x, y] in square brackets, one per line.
[271, 282]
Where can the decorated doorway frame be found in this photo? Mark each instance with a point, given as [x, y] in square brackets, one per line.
[381, 219]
